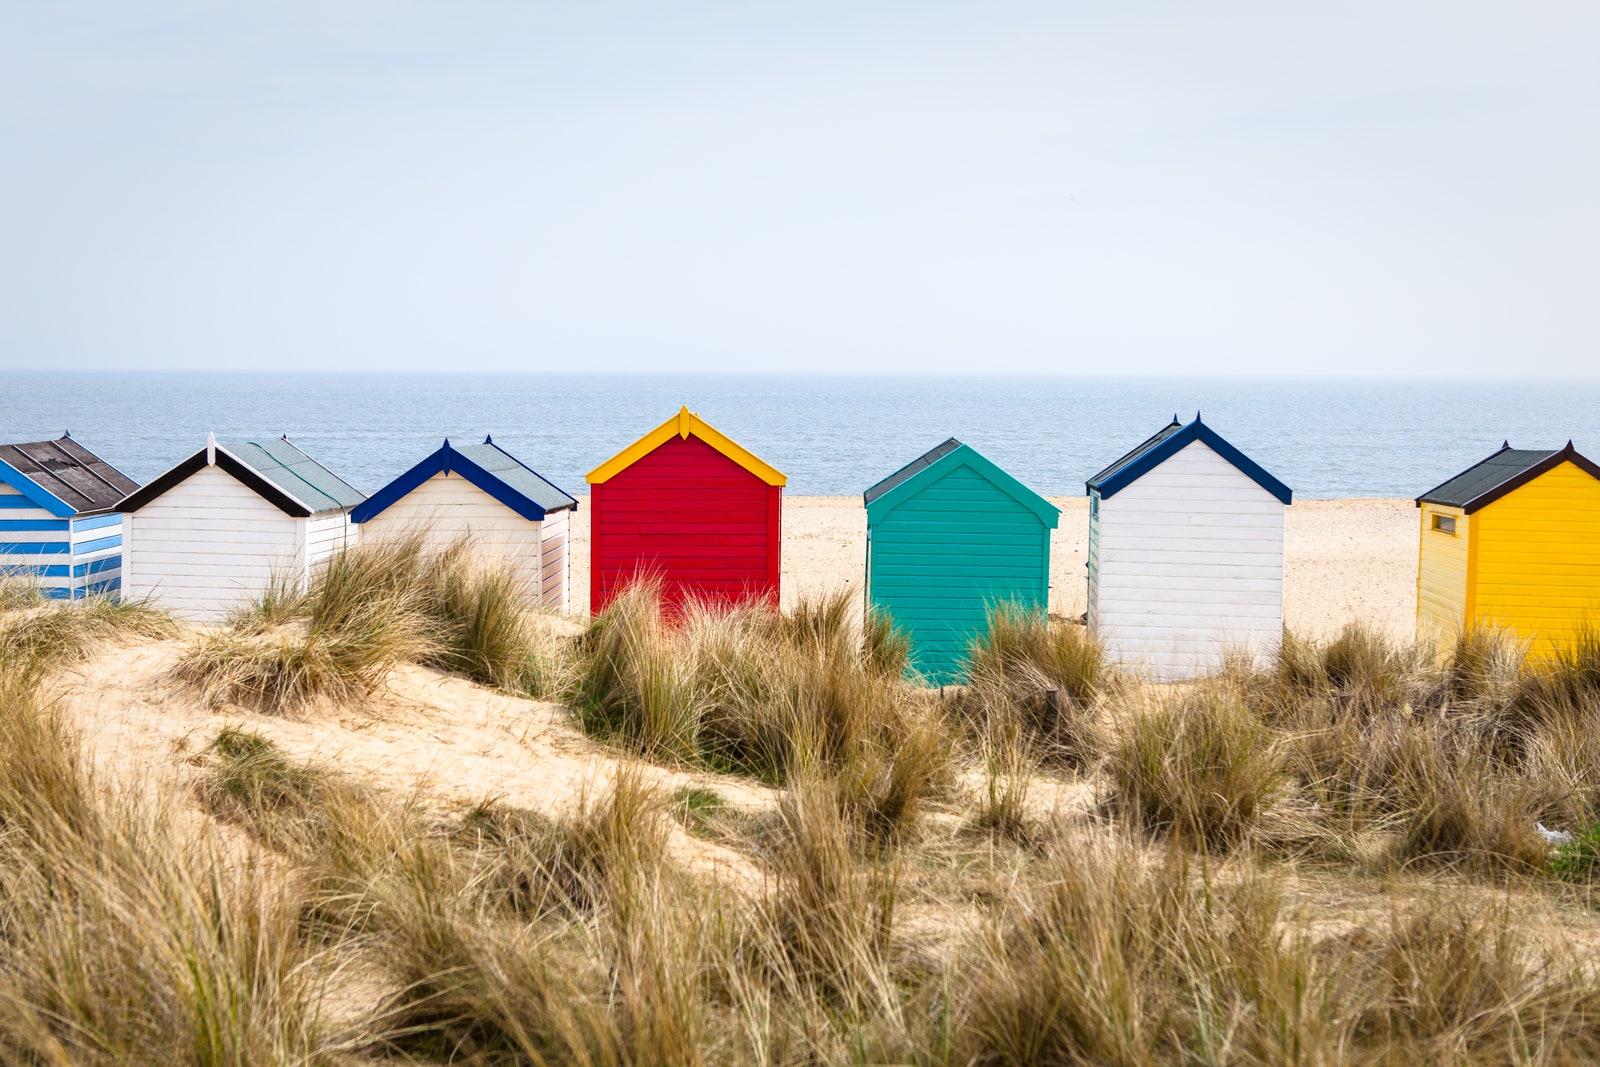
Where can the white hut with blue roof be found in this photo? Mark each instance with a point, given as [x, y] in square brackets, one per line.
[1185, 554]
[59, 524]
[217, 530]
[483, 493]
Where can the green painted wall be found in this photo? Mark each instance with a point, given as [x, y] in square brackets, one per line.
[940, 557]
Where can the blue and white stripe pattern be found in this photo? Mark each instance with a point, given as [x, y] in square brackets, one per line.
[68, 557]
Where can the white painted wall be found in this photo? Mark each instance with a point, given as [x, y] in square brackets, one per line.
[1189, 566]
[328, 533]
[209, 545]
[447, 507]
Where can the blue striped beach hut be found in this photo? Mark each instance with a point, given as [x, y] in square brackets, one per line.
[59, 524]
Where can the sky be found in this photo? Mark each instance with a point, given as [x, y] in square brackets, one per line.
[1040, 188]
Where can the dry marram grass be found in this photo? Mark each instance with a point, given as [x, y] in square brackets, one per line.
[1329, 858]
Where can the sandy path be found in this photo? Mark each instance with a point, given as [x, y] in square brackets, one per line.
[440, 740]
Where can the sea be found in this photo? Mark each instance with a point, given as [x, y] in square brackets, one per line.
[832, 435]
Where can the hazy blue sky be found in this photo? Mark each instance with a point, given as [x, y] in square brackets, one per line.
[1278, 187]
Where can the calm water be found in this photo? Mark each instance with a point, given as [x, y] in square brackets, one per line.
[833, 436]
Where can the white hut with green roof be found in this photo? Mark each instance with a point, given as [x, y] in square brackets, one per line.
[217, 530]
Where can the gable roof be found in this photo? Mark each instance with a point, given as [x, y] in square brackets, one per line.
[1165, 444]
[276, 471]
[927, 459]
[1510, 468]
[940, 461]
[487, 466]
[684, 423]
[63, 477]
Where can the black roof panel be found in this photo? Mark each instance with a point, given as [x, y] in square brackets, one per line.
[71, 473]
[1510, 468]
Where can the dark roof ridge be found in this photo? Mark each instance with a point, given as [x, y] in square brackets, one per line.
[904, 474]
[1487, 481]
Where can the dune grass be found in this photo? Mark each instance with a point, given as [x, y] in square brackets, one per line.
[1200, 767]
[1036, 681]
[1325, 858]
[367, 610]
[123, 941]
[772, 695]
[39, 639]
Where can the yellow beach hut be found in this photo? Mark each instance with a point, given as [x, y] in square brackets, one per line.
[1512, 542]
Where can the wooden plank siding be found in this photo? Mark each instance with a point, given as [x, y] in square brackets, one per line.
[939, 560]
[555, 563]
[447, 507]
[1442, 608]
[209, 545]
[1186, 565]
[1535, 557]
[328, 534]
[688, 516]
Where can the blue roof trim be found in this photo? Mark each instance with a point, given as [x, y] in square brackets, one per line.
[35, 492]
[446, 460]
[1113, 482]
[964, 456]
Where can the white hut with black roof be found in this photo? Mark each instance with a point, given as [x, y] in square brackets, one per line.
[214, 532]
[1185, 554]
[483, 493]
[59, 524]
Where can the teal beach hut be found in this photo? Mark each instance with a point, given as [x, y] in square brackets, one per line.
[948, 536]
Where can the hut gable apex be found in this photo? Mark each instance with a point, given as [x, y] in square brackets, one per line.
[1168, 442]
[684, 424]
[1501, 474]
[278, 472]
[923, 472]
[488, 467]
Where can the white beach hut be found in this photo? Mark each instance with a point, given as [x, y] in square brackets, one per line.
[59, 524]
[1185, 554]
[484, 493]
[213, 533]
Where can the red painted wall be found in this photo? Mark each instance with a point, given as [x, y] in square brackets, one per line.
[690, 516]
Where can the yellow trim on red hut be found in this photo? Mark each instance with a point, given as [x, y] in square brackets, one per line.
[683, 424]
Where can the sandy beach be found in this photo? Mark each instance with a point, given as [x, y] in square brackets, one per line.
[1346, 559]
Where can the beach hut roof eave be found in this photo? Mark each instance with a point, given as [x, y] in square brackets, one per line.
[63, 477]
[961, 456]
[904, 474]
[1165, 444]
[289, 486]
[1502, 473]
[684, 423]
[488, 467]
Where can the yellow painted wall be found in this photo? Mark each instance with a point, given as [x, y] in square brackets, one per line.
[1536, 558]
[1442, 575]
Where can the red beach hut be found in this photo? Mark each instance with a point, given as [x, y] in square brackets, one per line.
[688, 507]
